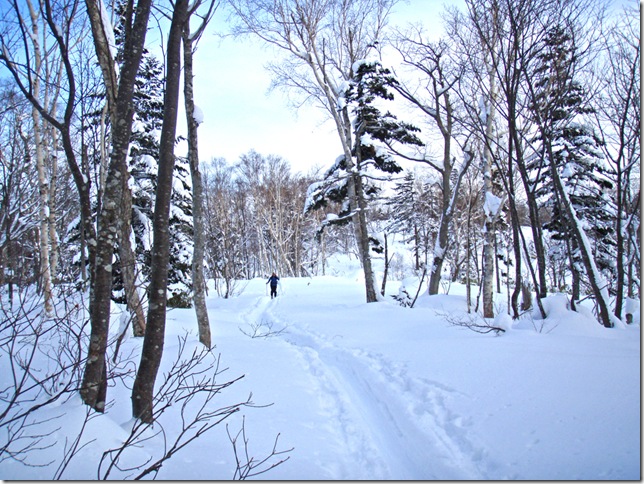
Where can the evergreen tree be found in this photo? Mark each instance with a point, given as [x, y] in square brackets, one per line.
[585, 175]
[413, 215]
[181, 237]
[374, 135]
[143, 163]
[143, 159]
[572, 149]
[375, 132]
[144, 156]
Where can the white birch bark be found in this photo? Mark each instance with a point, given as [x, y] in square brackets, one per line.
[491, 216]
[54, 73]
[43, 183]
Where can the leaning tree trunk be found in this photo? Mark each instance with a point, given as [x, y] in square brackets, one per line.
[450, 194]
[198, 279]
[600, 292]
[143, 389]
[442, 238]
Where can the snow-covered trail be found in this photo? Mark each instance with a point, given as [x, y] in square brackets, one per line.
[376, 391]
[391, 425]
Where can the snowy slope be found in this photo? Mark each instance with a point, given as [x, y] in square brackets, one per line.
[377, 391]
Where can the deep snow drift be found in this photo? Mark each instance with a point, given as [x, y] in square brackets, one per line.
[378, 391]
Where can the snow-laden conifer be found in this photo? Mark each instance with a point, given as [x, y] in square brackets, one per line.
[374, 133]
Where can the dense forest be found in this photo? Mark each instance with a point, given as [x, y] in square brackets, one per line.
[505, 154]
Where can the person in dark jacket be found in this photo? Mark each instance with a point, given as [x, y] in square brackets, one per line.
[273, 280]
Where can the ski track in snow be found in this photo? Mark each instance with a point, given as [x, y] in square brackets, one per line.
[422, 437]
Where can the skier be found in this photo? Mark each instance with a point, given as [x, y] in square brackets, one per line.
[273, 280]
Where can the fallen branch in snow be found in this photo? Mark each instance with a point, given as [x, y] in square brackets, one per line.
[262, 329]
[248, 466]
[474, 322]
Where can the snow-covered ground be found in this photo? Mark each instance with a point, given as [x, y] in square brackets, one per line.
[378, 391]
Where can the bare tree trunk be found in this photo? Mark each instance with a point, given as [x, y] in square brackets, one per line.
[143, 389]
[492, 213]
[83, 235]
[516, 227]
[43, 184]
[488, 269]
[448, 211]
[497, 266]
[198, 279]
[126, 252]
[468, 255]
[575, 285]
[53, 233]
[442, 238]
[440, 248]
[362, 235]
[600, 291]
[52, 93]
[128, 263]
[43, 181]
[416, 248]
[94, 385]
[386, 271]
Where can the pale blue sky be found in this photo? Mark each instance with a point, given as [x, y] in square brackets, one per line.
[231, 88]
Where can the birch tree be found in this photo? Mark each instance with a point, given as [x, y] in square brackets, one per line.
[492, 203]
[479, 94]
[37, 54]
[43, 178]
